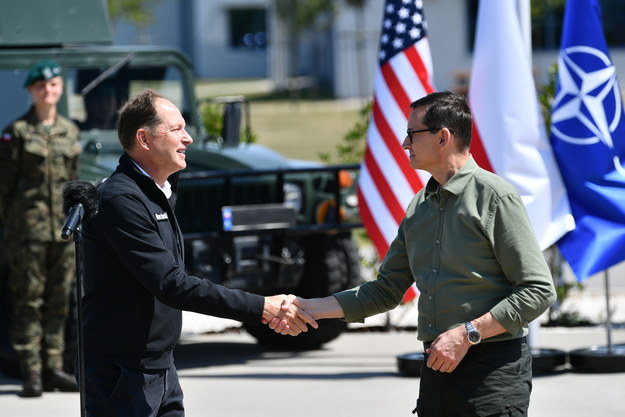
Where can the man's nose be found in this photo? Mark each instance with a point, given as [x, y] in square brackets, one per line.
[187, 138]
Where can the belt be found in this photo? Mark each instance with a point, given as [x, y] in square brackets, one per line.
[499, 343]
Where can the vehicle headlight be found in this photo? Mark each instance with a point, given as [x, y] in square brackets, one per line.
[293, 196]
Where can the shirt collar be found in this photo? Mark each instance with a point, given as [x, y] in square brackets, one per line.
[165, 188]
[457, 183]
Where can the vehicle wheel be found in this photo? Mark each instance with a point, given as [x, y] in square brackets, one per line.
[332, 264]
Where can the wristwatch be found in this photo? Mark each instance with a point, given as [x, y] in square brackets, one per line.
[473, 336]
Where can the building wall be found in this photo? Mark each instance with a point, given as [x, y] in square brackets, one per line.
[357, 43]
[356, 40]
[451, 53]
[200, 29]
[213, 56]
[344, 59]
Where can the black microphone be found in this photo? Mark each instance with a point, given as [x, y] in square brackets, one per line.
[79, 203]
[73, 220]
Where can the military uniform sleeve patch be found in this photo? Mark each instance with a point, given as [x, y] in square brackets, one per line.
[7, 137]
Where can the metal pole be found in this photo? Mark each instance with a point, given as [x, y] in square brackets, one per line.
[79, 330]
[608, 319]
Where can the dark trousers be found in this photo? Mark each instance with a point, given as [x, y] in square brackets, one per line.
[493, 379]
[118, 391]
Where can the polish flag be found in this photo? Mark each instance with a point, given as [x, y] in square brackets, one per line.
[509, 135]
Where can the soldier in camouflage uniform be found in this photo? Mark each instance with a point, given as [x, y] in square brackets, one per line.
[38, 153]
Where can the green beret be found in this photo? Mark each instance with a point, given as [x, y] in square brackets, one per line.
[42, 70]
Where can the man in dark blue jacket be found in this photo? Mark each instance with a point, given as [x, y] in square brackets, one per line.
[135, 283]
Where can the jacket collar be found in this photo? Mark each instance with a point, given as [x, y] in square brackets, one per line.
[130, 168]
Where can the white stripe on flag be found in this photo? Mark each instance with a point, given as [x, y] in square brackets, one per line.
[383, 218]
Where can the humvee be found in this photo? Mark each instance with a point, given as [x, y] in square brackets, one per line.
[252, 219]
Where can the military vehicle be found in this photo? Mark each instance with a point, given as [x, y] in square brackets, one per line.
[252, 219]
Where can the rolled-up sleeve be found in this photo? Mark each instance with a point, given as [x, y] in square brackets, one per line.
[523, 263]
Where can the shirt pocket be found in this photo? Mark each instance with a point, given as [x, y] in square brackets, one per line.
[65, 154]
[36, 146]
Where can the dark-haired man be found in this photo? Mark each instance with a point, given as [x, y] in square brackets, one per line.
[467, 243]
[135, 282]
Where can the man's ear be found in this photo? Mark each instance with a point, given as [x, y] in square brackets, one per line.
[142, 139]
[445, 137]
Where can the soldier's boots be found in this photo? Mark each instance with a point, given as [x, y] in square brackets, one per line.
[31, 385]
[57, 380]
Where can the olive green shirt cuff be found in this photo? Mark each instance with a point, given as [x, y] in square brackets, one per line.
[351, 306]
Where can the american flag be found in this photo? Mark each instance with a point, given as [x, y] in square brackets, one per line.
[387, 182]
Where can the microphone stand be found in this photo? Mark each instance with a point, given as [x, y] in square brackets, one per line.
[72, 226]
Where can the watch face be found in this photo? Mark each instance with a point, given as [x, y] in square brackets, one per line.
[474, 337]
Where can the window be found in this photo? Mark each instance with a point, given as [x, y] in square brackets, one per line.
[248, 29]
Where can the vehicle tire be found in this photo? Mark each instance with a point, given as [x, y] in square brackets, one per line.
[332, 264]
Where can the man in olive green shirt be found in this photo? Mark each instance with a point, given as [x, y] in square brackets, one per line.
[467, 242]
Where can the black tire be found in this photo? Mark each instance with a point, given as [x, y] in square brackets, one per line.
[332, 264]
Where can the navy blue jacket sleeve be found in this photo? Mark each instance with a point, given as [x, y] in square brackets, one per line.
[139, 241]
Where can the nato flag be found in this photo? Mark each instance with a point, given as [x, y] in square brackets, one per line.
[588, 139]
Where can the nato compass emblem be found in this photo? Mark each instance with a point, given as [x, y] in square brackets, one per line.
[587, 108]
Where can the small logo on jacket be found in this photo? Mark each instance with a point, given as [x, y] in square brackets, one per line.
[161, 216]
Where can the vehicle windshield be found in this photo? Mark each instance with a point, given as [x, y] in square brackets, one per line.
[97, 107]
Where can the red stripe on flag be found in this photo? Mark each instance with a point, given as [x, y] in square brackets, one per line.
[369, 223]
[417, 63]
[399, 155]
[393, 206]
[410, 294]
[397, 83]
[478, 151]
[396, 88]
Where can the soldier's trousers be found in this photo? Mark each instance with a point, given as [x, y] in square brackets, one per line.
[41, 275]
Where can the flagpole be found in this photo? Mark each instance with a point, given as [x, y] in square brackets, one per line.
[608, 320]
[525, 24]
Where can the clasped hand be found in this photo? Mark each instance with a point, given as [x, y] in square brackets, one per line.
[284, 317]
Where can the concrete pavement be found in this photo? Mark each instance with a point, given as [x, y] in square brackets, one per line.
[228, 374]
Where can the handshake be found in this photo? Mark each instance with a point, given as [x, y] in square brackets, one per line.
[289, 314]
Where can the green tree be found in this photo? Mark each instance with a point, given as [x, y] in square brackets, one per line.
[138, 12]
[299, 16]
[351, 149]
